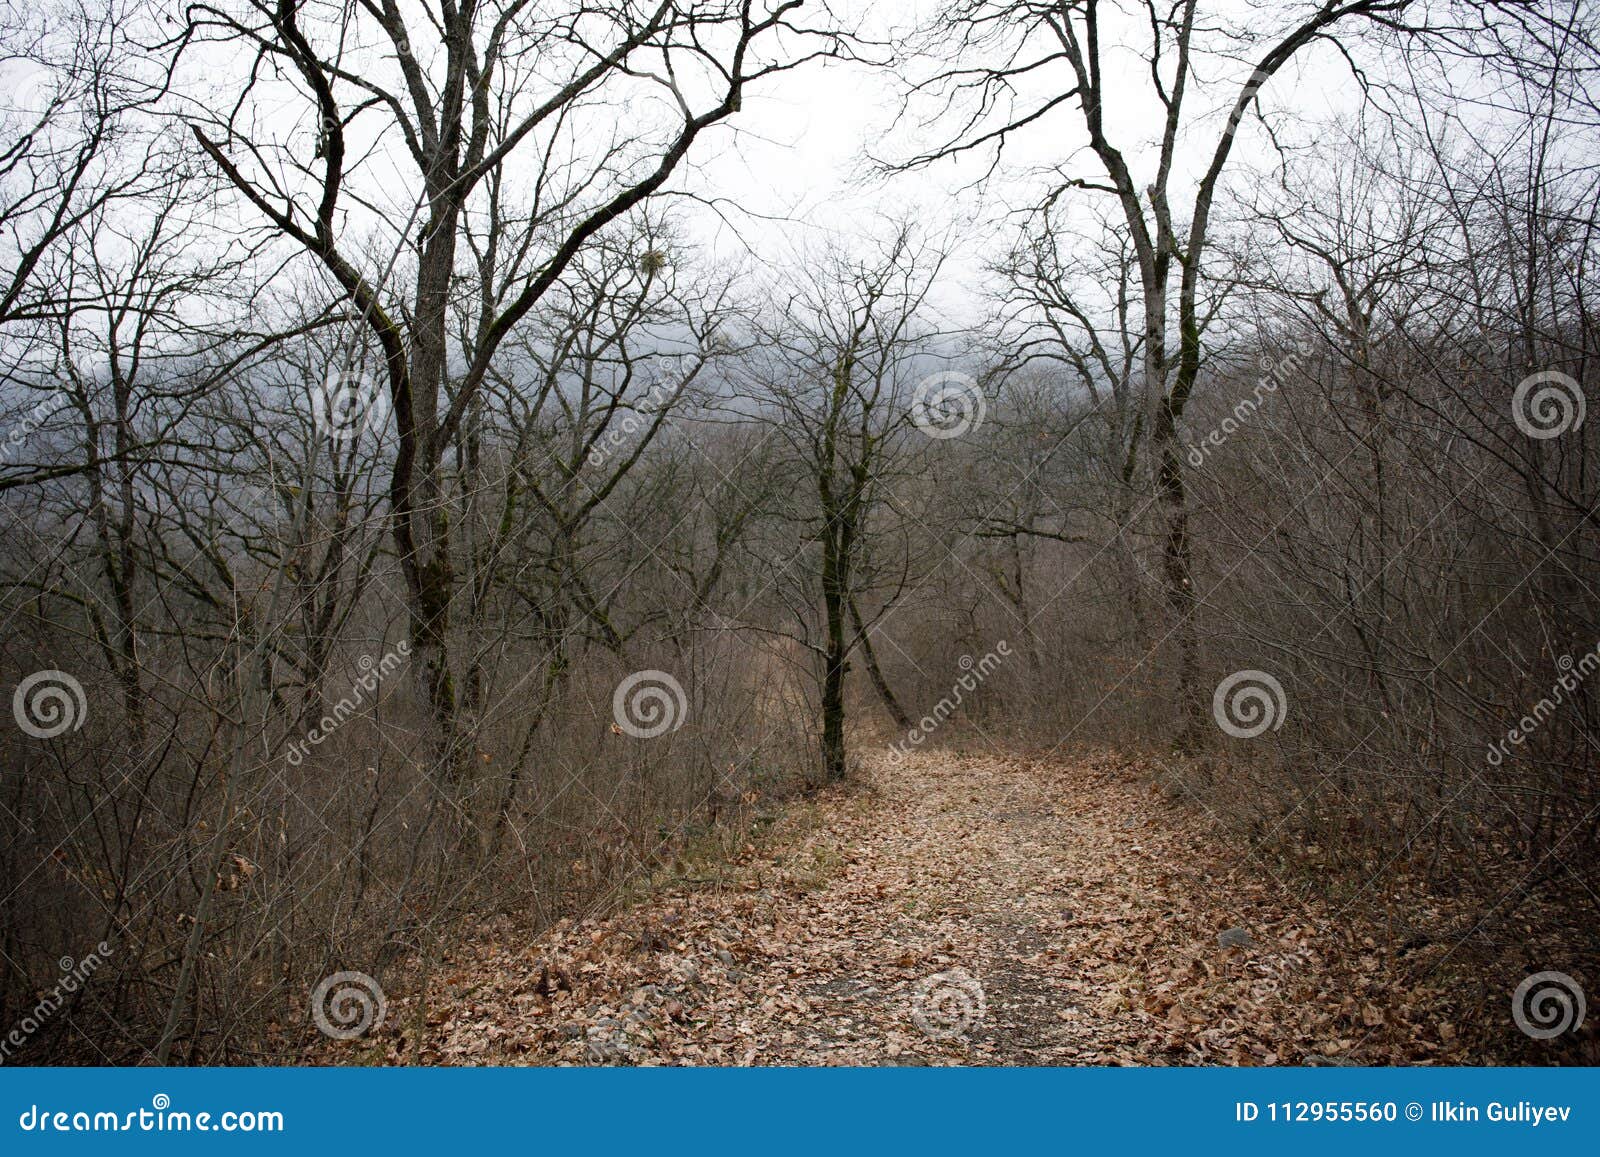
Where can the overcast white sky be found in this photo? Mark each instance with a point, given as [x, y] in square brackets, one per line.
[786, 173]
[799, 145]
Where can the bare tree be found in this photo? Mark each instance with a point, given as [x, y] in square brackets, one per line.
[998, 46]
[482, 93]
[842, 361]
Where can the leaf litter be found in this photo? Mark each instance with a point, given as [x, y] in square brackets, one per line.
[1103, 924]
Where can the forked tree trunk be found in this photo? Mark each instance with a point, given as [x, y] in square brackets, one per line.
[875, 673]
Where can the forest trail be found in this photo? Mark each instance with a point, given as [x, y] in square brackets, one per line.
[955, 909]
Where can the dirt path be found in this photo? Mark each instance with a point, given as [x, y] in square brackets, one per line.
[952, 910]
